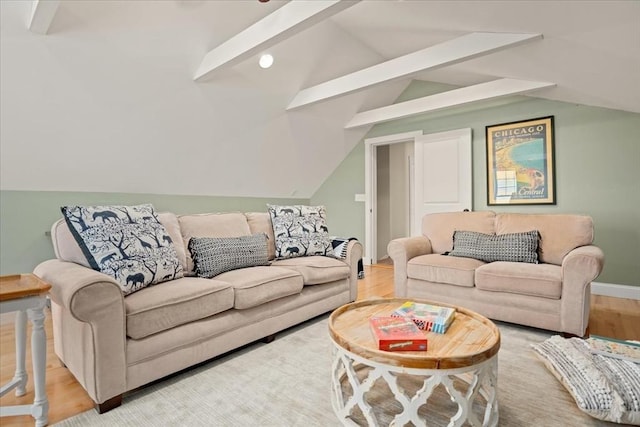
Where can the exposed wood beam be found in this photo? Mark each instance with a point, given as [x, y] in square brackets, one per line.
[42, 13]
[466, 95]
[285, 22]
[450, 52]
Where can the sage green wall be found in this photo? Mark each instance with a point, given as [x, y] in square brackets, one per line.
[25, 216]
[345, 216]
[597, 169]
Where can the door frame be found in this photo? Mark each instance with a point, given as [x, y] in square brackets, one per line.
[371, 187]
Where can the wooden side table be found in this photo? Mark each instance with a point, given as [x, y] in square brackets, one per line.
[26, 295]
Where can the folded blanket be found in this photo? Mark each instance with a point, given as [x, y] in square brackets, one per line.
[604, 387]
[339, 245]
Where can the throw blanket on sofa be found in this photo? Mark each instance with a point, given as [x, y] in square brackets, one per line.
[339, 245]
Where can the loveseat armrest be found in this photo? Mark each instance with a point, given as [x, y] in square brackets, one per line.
[579, 268]
[354, 255]
[96, 299]
[401, 251]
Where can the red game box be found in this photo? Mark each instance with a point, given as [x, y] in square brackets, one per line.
[397, 334]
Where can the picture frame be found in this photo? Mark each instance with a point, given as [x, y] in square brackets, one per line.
[520, 163]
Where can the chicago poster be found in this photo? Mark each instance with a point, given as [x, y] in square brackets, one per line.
[520, 163]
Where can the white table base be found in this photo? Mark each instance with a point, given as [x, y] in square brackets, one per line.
[34, 308]
[481, 379]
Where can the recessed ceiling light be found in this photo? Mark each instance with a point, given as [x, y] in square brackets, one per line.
[266, 60]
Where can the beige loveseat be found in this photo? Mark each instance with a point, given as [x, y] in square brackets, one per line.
[114, 343]
[553, 294]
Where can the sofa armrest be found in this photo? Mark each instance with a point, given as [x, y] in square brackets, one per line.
[401, 251]
[96, 299]
[579, 268]
[354, 255]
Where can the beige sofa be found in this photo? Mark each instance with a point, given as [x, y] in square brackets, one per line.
[113, 344]
[553, 294]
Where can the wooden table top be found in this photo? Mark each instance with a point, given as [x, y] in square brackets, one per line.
[471, 338]
[21, 285]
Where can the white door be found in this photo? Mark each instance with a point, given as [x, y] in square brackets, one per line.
[442, 175]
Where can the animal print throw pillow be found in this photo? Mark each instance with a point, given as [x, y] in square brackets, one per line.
[300, 231]
[127, 243]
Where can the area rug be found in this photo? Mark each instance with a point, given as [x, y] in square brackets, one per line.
[287, 383]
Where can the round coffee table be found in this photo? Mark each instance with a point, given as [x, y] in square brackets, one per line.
[463, 362]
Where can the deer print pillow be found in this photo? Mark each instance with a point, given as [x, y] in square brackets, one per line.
[127, 243]
[300, 231]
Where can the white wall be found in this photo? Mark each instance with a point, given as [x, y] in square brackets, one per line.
[106, 103]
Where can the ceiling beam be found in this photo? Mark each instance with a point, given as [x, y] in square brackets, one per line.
[42, 13]
[285, 22]
[453, 98]
[450, 52]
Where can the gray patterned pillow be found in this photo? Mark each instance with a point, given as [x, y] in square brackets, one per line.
[300, 231]
[127, 243]
[514, 247]
[215, 255]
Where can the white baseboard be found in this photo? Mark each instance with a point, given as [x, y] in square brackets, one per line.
[615, 290]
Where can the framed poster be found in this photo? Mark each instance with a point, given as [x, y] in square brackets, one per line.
[520, 163]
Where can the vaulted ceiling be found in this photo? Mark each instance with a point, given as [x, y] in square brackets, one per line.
[179, 82]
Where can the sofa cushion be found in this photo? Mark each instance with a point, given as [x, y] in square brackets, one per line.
[260, 222]
[443, 269]
[559, 233]
[174, 303]
[257, 285]
[66, 247]
[540, 280]
[300, 231]
[215, 255]
[171, 224]
[316, 269]
[514, 247]
[127, 243]
[233, 224]
[439, 227]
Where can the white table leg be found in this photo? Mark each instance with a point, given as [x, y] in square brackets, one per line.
[20, 377]
[481, 379]
[40, 408]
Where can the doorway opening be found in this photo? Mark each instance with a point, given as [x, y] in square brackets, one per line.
[388, 189]
[410, 175]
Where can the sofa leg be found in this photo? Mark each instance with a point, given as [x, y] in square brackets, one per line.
[269, 338]
[568, 335]
[109, 404]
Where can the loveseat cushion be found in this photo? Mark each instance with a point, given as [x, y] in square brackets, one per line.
[233, 224]
[256, 285]
[439, 227]
[443, 269]
[540, 280]
[559, 233]
[316, 269]
[170, 304]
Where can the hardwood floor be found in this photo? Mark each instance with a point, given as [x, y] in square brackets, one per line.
[612, 317]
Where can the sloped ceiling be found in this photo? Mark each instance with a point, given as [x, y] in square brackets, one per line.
[106, 100]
